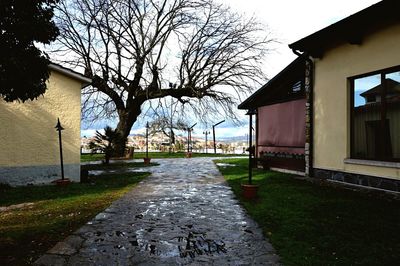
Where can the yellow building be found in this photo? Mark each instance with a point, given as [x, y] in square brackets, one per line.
[29, 148]
[354, 98]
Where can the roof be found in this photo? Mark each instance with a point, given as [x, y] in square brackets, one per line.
[277, 89]
[391, 85]
[391, 102]
[351, 29]
[70, 73]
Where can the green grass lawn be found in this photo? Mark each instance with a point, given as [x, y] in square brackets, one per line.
[309, 224]
[56, 212]
[158, 155]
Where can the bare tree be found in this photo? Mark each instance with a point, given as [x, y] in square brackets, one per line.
[167, 126]
[133, 49]
[167, 119]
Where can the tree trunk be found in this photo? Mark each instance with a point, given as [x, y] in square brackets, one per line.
[107, 158]
[126, 120]
[123, 128]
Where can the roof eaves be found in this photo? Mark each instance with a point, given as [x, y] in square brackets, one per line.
[355, 22]
[246, 103]
[70, 73]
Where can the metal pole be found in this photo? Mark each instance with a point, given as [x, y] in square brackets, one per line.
[147, 140]
[190, 137]
[61, 155]
[206, 133]
[250, 148]
[206, 141]
[215, 145]
[59, 128]
[170, 132]
[188, 140]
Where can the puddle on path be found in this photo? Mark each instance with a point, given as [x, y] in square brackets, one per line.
[225, 164]
[122, 170]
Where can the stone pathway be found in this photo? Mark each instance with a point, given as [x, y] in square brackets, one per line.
[183, 214]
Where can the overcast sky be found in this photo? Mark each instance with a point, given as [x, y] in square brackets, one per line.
[291, 20]
[287, 21]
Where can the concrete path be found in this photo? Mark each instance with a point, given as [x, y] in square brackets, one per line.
[184, 213]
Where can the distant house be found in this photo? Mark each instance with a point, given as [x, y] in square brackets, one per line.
[352, 114]
[29, 149]
[392, 93]
[280, 119]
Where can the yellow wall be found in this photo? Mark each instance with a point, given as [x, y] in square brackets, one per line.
[332, 98]
[28, 136]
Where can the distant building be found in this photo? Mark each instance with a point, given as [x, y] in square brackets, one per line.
[392, 92]
[29, 149]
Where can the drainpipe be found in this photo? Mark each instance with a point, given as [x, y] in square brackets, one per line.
[309, 89]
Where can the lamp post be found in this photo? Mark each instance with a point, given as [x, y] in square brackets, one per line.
[213, 127]
[249, 190]
[188, 140]
[206, 133]
[190, 129]
[59, 128]
[147, 159]
[171, 86]
[250, 113]
[147, 139]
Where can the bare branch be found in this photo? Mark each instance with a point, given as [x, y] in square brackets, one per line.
[133, 49]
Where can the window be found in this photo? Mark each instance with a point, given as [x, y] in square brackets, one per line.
[297, 86]
[375, 116]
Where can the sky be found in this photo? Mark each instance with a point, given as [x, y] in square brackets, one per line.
[366, 83]
[286, 21]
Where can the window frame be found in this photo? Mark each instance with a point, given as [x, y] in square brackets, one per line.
[382, 73]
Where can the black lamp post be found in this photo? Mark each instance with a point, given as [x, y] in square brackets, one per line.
[190, 129]
[215, 145]
[188, 140]
[251, 112]
[147, 159]
[59, 128]
[206, 133]
[171, 87]
[147, 139]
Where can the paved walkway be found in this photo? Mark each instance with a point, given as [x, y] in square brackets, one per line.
[184, 213]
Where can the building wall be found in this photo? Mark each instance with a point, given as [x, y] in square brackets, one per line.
[332, 99]
[29, 148]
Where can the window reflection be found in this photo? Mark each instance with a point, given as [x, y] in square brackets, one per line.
[376, 117]
[393, 112]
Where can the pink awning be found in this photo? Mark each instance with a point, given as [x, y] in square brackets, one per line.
[281, 127]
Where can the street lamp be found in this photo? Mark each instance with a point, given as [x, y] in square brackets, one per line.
[206, 133]
[190, 129]
[59, 128]
[250, 113]
[171, 87]
[147, 159]
[147, 139]
[62, 181]
[213, 127]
